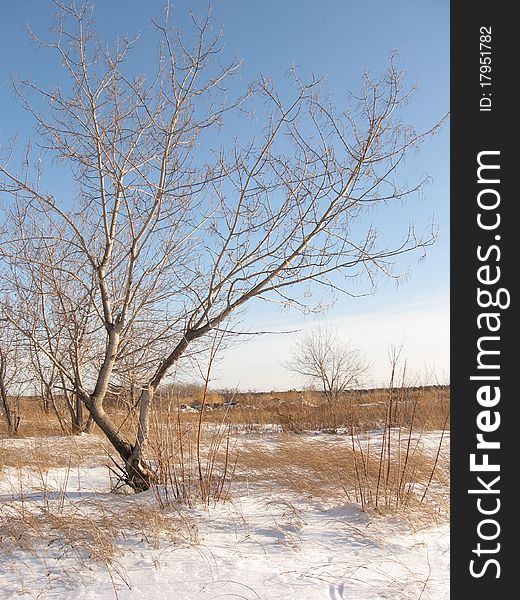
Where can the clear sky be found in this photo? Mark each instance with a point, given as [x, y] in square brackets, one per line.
[339, 38]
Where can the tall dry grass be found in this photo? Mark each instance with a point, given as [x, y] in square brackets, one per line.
[195, 461]
[292, 411]
[43, 513]
[333, 471]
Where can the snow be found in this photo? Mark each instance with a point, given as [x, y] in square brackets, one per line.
[263, 544]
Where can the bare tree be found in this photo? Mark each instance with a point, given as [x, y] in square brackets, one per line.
[328, 363]
[12, 419]
[167, 235]
[13, 376]
[61, 327]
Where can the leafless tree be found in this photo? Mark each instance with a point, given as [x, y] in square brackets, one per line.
[13, 376]
[327, 362]
[61, 323]
[171, 226]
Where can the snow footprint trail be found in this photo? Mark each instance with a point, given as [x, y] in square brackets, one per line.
[337, 591]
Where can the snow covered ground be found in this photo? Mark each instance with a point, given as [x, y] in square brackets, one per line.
[264, 543]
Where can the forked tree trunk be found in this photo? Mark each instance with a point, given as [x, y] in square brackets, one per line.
[138, 475]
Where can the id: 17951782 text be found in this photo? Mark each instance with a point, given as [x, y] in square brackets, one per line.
[485, 69]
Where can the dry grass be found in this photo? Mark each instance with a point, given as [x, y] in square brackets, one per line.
[45, 453]
[34, 421]
[90, 530]
[333, 471]
[39, 513]
[299, 412]
[195, 460]
[290, 411]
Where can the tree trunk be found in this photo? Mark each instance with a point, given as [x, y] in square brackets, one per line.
[78, 412]
[77, 415]
[138, 475]
[11, 419]
[89, 425]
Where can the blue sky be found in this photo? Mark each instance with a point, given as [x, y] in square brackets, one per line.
[339, 38]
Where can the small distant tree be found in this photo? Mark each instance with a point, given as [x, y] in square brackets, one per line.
[327, 362]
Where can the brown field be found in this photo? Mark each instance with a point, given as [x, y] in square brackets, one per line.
[369, 448]
[422, 408]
